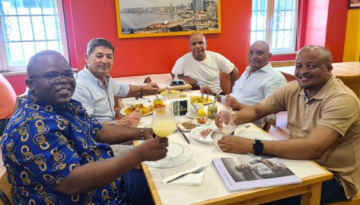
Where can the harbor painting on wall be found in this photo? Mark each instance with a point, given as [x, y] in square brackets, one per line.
[148, 18]
[354, 4]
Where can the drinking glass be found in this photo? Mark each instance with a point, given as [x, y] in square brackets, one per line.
[226, 114]
[163, 125]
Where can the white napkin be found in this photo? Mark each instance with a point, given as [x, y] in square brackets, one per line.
[190, 179]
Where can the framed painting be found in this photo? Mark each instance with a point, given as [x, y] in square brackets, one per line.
[354, 4]
[149, 18]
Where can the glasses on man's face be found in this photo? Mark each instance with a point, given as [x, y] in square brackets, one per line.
[54, 77]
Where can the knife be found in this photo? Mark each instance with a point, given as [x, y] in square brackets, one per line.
[187, 140]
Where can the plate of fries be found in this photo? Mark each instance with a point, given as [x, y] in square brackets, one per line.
[204, 100]
[143, 109]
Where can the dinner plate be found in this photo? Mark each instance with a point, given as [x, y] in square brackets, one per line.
[254, 135]
[195, 133]
[122, 111]
[184, 129]
[177, 155]
[190, 115]
[207, 103]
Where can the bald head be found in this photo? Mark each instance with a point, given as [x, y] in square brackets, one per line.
[47, 55]
[322, 52]
[197, 45]
[259, 55]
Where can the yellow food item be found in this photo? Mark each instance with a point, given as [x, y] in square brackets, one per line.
[143, 110]
[201, 113]
[199, 99]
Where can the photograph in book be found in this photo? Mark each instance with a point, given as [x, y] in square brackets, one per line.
[248, 172]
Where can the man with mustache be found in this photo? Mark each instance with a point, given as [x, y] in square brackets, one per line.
[55, 153]
[258, 81]
[96, 89]
[201, 67]
[324, 124]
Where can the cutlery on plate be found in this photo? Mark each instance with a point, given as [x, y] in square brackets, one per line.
[207, 97]
[179, 129]
[199, 170]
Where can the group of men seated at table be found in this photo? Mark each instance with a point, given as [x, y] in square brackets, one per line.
[56, 146]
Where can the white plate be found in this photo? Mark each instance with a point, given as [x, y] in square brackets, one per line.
[195, 133]
[184, 129]
[122, 111]
[255, 135]
[177, 155]
[199, 95]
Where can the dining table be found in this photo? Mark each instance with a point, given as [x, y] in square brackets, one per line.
[212, 190]
[163, 80]
[341, 69]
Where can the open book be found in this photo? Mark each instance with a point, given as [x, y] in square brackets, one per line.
[248, 172]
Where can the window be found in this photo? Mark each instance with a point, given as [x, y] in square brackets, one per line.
[27, 27]
[275, 21]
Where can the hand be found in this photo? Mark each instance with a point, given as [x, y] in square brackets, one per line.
[206, 89]
[148, 133]
[130, 120]
[218, 120]
[230, 101]
[238, 145]
[193, 83]
[153, 149]
[151, 88]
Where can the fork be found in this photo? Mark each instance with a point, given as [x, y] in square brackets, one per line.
[199, 170]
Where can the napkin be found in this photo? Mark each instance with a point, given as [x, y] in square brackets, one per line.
[190, 179]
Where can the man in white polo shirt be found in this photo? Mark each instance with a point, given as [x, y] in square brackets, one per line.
[200, 67]
[96, 89]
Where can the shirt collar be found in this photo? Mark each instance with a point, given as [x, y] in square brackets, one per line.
[94, 79]
[322, 92]
[36, 103]
[265, 68]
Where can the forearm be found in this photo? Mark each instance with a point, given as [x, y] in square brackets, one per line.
[97, 174]
[234, 75]
[133, 89]
[115, 134]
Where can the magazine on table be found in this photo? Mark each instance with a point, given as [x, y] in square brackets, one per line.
[249, 172]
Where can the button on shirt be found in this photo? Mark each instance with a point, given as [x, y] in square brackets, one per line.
[252, 89]
[42, 144]
[97, 99]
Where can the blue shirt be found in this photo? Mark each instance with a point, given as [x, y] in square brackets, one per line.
[97, 99]
[42, 144]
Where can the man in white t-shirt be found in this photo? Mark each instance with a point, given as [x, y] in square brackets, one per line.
[200, 67]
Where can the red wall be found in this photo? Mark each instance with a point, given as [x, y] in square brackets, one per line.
[139, 56]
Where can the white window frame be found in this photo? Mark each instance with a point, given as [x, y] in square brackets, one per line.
[4, 63]
[269, 27]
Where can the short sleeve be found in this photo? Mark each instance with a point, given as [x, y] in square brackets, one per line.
[83, 95]
[178, 67]
[275, 102]
[119, 89]
[225, 65]
[340, 112]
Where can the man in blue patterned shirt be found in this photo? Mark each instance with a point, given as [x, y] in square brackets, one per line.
[55, 153]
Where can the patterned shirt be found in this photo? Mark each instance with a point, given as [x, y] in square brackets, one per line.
[42, 144]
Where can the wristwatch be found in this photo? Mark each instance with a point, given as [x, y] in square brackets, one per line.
[258, 147]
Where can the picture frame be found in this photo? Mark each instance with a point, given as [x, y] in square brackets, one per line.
[152, 18]
[354, 4]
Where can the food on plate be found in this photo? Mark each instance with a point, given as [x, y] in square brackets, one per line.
[143, 110]
[188, 125]
[199, 99]
[201, 120]
[205, 132]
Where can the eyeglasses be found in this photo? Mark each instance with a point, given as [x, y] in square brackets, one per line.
[54, 77]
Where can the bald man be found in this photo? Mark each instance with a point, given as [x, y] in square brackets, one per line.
[258, 81]
[200, 67]
[323, 119]
[58, 154]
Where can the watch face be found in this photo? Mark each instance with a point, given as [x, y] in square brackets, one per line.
[258, 147]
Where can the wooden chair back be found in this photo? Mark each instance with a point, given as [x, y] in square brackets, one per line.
[282, 63]
[117, 107]
[225, 83]
[5, 188]
[353, 82]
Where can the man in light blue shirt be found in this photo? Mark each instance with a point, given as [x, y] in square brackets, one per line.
[258, 81]
[96, 89]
